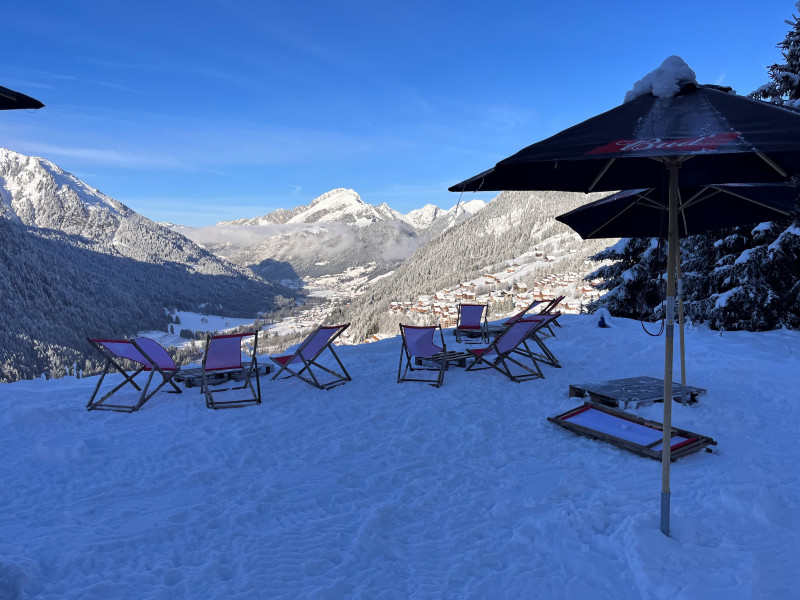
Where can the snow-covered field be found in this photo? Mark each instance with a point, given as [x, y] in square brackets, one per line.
[383, 490]
[195, 322]
[200, 322]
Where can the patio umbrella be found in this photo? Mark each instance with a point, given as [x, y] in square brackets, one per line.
[687, 133]
[644, 213]
[10, 100]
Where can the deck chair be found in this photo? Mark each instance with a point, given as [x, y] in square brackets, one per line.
[472, 320]
[148, 354]
[223, 362]
[521, 314]
[630, 432]
[500, 354]
[306, 358]
[418, 344]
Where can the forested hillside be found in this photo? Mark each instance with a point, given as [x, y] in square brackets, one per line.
[509, 226]
[58, 289]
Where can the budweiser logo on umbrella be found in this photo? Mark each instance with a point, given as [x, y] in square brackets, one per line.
[693, 144]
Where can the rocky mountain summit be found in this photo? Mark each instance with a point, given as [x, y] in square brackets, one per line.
[340, 205]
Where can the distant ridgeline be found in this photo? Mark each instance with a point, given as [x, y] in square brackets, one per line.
[337, 231]
[743, 278]
[509, 226]
[76, 263]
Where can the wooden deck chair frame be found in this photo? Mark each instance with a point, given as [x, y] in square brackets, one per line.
[545, 356]
[548, 310]
[481, 324]
[223, 357]
[421, 346]
[148, 354]
[498, 354]
[627, 434]
[308, 353]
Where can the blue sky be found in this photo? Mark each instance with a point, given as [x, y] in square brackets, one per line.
[193, 112]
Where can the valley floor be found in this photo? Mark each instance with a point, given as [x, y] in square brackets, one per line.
[382, 490]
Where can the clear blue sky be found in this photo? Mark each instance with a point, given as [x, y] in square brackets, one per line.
[198, 111]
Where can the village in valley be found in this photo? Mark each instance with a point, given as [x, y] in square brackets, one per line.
[504, 292]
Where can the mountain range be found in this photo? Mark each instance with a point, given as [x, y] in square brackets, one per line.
[335, 232]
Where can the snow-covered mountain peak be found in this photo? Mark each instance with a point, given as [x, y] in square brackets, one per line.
[345, 206]
[422, 218]
[39, 193]
[338, 196]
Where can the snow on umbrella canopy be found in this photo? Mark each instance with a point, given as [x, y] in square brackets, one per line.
[11, 100]
[670, 131]
[644, 213]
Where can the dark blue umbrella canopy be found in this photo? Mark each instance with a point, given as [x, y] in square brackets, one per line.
[643, 213]
[717, 137]
[10, 100]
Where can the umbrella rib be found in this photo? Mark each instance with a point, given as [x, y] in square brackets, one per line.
[764, 204]
[601, 173]
[649, 202]
[698, 197]
[771, 163]
[612, 219]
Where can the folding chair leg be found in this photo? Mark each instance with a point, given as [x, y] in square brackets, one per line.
[92, 405]
[246, 384]
[547, 357]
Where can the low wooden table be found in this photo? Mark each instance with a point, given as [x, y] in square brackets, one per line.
[636, 391]
[459, 359]
[193, 377]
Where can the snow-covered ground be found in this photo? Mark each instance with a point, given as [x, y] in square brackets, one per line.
[382, 490]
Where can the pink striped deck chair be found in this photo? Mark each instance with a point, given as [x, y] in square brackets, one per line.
[307, 357]
[418, 343]
[472, 321]
[223, 361]
[148, 354]
[498, 354]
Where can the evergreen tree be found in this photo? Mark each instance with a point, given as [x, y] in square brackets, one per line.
[784, 87]
[633, 278]
[741, 278]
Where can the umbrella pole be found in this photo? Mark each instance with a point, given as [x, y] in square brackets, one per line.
[672, 259]
[681, 330]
